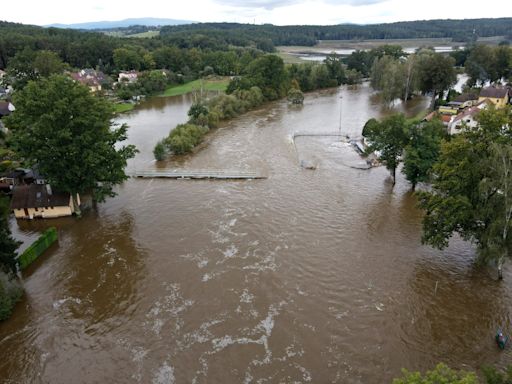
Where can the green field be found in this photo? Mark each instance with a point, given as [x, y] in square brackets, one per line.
[123, 107]
[196, 85]
[144, 35]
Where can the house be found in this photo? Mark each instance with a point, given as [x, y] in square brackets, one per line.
[449, 109]
[6, 108]
[466, 100]
[499, 96]
[39, 201]
[129, 77]
[90, 78]
[467, 118]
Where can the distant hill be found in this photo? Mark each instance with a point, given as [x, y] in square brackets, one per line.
[147, 21]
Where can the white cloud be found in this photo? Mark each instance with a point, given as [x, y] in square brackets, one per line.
[279, 12]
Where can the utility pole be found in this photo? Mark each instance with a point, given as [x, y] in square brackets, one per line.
[341, 108]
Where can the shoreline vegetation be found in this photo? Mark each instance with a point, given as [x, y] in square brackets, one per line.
[208, 85]
[266, 79]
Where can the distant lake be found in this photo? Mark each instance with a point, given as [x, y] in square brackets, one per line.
[321, 55]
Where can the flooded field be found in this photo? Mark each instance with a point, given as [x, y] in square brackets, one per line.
[307, 276]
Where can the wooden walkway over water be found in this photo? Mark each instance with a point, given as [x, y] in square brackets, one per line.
[198, 174]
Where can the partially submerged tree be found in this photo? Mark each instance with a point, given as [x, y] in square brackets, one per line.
[295, 96]
[422, 151]
[436, 73]
[389, 138]
[59, 125]
[472, 189]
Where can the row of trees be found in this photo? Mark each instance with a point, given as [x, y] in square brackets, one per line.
[397, 139]
[470, 176]
[424, 71]
[237, 34]
[265, 79]
[487, 63]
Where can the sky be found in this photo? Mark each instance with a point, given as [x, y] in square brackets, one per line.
[278, 12]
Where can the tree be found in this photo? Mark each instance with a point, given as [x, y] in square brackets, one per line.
[335, 68]
[127, 59]
[422, 151]
[160, 150]
[389, 138]
[8, 245]
[441, 374]
[59, 125]
[387, 77]
[436, 73]
[47, 63]
[471, 191]
[481, 65]
[31, 65]
[268, 73]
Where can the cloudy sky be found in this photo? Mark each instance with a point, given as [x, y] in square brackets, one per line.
[279, 12]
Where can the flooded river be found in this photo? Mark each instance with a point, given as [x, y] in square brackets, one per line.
[307, 276]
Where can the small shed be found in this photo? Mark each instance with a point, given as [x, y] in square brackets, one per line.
[40, 201]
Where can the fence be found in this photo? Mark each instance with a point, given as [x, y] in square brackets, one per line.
[37, 248]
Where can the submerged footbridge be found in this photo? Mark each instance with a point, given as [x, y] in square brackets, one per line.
[197, 174]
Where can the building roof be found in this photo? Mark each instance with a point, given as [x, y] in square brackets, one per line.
[470, 112]
[37, 196]
[465, 97]
[498, 93]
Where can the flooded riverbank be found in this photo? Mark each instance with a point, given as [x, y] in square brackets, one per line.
[307, 276]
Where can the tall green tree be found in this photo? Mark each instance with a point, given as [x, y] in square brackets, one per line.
[422, 151]
[388, 137]
[59, 125]
[471, 191]
[481, 65]
[268, 73]
[388, 78]
[436, 74]
[335, 68]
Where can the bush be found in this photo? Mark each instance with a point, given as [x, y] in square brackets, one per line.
[10, 294]
[160, 151]
[185, 137]
[295, 96]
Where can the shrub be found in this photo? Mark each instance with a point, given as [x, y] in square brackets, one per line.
[185, 137]
[10, 294]
[160, 150]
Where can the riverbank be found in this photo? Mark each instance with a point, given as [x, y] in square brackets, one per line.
[219, 85]
[123, 107]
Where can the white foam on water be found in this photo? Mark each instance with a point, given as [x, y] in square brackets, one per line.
[165, 375]
[59, 303]
[206, 277]
[172, 304]
[230, 252]
[138, 355]
[199, 258]
[246, 297]
[200, 336]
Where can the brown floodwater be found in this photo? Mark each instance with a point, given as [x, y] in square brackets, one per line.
[307, 276]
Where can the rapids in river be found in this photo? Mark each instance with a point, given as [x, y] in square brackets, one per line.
[306, 276]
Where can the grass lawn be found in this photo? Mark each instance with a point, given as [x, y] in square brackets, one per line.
[208, 85]
[123, 107]
[145, 35]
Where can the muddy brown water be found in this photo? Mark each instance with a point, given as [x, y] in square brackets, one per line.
[307, 276]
